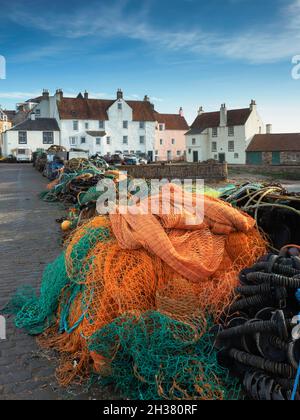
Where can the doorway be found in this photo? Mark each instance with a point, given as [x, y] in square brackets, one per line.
[195, 156]
[222, 157]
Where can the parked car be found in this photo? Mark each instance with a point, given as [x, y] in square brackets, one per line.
[131, 160]
[23, 155]
[116, 160]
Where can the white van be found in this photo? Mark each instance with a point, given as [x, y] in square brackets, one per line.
[23, 155]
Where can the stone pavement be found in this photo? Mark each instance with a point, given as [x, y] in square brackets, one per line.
[29, 239]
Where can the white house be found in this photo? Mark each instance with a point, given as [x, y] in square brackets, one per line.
[31, 134]
[223, 135]
[100, 125]
[107, 126]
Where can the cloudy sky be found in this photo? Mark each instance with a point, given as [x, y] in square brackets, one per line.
[180, 52]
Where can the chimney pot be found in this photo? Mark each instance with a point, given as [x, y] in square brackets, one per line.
[59, 94]
[200, 110]
[119, 94]
[45, 93]
[181, 111]
[252, 104]
[269, 128]
[223, 116]
[146, 98]
[86, 95]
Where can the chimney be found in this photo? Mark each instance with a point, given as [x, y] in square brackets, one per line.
[146, 98]
[32, 116]
[181, 111]
[45, 93]
[223, 116]
[119, 94]
[269, 128]
[86, 95]
[59, 94]
[253, 105]
[200, 110]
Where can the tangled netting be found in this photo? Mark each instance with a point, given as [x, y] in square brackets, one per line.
[156, 357]
[152, 282]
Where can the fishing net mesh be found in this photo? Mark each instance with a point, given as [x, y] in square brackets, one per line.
[132, 299]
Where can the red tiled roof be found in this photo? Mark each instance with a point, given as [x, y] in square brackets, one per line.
[142, 110]
[172, 121]
[275, 143]
[212, 119]
[96, 109]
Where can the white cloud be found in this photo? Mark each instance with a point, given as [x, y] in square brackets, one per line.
[261, 44]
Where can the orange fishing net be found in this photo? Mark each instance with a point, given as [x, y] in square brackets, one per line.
[152, 262]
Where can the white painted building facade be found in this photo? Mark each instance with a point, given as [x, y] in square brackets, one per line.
[31, 135]
[223, 135]
[102, 126]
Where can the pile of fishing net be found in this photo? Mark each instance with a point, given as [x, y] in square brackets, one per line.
[132, 298]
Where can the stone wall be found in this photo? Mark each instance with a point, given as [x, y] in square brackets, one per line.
[290, 158]
[206, 171]
[266, 169]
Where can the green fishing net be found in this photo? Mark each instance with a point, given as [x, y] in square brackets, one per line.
[33, 313]
[156, 357]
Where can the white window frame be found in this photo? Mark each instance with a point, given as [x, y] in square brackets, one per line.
[231, 131]
[231, 146]
[214, 132]
[214, 146]
[48, 141]
[125, 139]
[75, 125]
[73, 141]
[25, 139]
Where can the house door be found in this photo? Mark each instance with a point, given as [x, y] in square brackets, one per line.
[195, 156]
[275, 158]
[222, 157]
[169, 155]
[150, 156]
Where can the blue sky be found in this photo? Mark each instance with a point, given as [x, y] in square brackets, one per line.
[181, 53]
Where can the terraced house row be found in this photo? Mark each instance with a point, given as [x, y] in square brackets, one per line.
[103, 126]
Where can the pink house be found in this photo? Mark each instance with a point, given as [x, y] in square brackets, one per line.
[170, 133]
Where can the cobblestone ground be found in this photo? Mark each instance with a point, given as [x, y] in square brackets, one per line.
[29, 239]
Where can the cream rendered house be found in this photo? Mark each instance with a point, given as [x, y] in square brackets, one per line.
[223, 135]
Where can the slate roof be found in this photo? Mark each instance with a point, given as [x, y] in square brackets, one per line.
[40, 124]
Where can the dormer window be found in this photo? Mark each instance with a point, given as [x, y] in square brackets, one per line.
[215, 132]
[161, 127]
